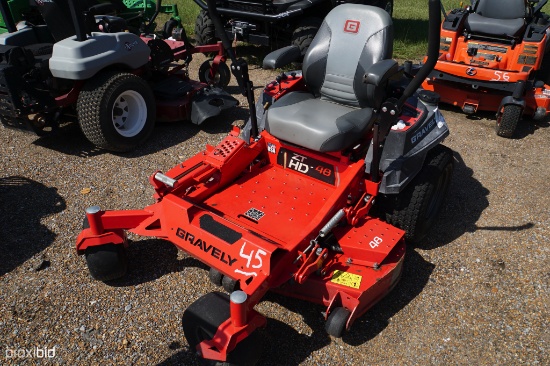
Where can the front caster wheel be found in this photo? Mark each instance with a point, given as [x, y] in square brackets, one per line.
[507, 120]
[336, 322]
[201, 320]
[107, 262]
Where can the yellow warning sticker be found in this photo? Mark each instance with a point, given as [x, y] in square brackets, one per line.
[346, 279]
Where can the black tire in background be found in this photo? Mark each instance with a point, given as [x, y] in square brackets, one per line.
[169, 26]
[417, 207]
[507, 120]
[230, 284]
[201, 320]
[116, 110]
[205, 32]
[215, 276]
[305, 32]
[387, 5]
[222, 77]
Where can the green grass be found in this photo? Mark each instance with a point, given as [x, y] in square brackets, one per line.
[188, 12]
[410, 23]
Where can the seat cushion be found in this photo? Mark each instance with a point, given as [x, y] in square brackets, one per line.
[317, 124]
[476, 23]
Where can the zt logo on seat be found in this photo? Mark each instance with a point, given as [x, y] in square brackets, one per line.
[352, 26]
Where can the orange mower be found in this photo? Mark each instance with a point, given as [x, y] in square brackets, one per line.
[493, 56]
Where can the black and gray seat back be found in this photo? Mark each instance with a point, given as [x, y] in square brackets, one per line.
[502, 9]
[346, 68]
[351, 39]
[500, 18]
[57, 16]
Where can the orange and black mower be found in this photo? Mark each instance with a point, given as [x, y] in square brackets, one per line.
[493, 56]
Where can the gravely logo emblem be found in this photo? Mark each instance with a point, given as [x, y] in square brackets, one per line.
[351, 26]
[207, 248]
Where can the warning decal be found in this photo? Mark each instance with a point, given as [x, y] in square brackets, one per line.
[346, 279]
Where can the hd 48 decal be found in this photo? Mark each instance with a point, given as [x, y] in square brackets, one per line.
[305, 165]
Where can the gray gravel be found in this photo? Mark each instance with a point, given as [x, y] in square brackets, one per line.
[475, 292]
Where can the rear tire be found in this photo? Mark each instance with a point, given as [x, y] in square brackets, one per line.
[417, 207]
[507, 120]
[116, 111]
[305, 32]
[205, 32]
[201, 320]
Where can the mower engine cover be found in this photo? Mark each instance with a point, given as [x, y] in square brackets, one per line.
[76, 60]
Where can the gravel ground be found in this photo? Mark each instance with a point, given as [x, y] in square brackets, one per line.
[475, 292]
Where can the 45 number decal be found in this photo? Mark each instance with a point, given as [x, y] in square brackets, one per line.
[254, 259]
[501, 76]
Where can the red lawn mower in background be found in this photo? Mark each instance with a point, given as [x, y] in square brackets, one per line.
[313, 199]
[493, 56]
[118, 80]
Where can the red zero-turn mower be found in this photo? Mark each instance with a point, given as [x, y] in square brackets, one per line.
[493, 56]
[118, 83]
[310, 203]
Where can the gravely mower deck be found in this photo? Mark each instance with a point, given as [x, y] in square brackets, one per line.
[268, 213]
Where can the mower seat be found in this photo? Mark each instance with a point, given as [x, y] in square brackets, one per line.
[346, 68]
[500, 18]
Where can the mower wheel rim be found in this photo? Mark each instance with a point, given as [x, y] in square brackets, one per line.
[215, 80]
[129, 113]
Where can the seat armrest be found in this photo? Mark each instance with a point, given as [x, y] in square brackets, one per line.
[380, 72]
[281, 57]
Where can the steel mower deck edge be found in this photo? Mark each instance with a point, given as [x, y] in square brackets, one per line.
[322, 215]
[494, 56]
[118, 83]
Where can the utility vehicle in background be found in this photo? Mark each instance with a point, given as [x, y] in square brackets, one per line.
[271, 22]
